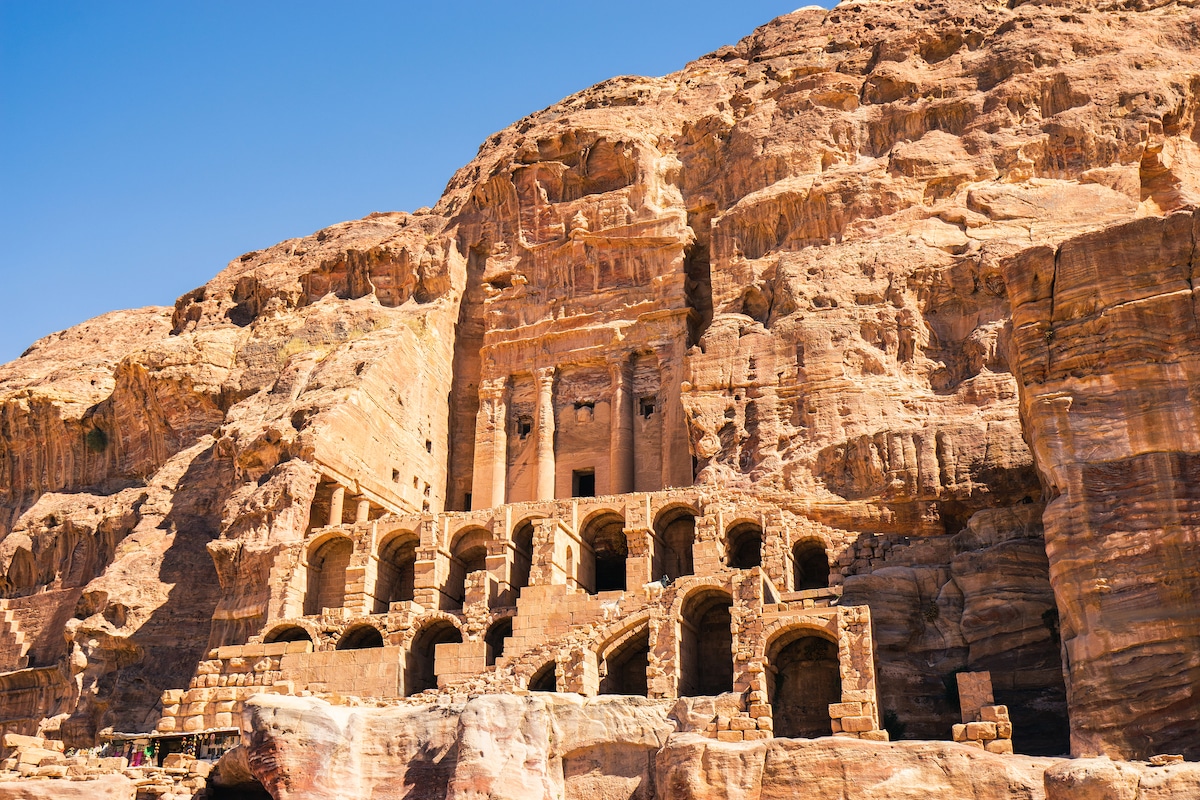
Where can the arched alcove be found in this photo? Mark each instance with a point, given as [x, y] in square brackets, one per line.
[420, 672]
[327, 565]
[676, 530]
[743, 546]
[706, 644]
[287, 633]
[624, 665]
[603, 563]
[810, 565]
[545, 679]
[360, 637]
[803, 679]
[496, 637]
[522, 556]
[467, 555]
[396, 570]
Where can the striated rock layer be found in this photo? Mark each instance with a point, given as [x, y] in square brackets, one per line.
[916, 272]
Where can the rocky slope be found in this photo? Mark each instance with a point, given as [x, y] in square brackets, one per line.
[939, 270]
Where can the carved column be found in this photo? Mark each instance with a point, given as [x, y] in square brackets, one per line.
[545, 433]
[363, 512]
[336, 500]
[491, 445]
[620, 464]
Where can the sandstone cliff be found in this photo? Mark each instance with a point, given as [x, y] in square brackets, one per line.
[916, 272]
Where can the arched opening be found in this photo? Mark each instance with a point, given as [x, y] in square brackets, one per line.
[803, 679]
[360, 637]
[545, 679]
[420, 672]
[327, 575]
[744, 546]
[624, 667]
[287, 633]
[604, 553]
[676, 529]
[496, 637]
[468, 555]
[810, 565]
[706, 644]
[397, 570]
[522, 556]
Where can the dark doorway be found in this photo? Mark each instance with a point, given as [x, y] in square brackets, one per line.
[544, 680]
[583, 483]
[706, 646]
[606, 549]
[496, 636]
[288, 633]
[676, 529]
[806, 679]
[397, 567]
[361, 638]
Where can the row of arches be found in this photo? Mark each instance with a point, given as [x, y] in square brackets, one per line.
[601, 565]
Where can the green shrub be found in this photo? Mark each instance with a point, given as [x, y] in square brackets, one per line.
[97, 440]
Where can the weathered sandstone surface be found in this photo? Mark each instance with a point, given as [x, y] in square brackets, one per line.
[556, 746]
[921, 274]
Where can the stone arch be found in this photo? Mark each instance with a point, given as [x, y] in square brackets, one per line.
[675, 527]
[810, 565]
[497, 634]
[624, 661]
[468, 553]
[291, 632]
[743, 544]
[803, 679]
[545, 679]
[396, 569]
[361, 636]
[522, 555]
[605, 549]
[706, 642]
[328, 558]
[420, 669]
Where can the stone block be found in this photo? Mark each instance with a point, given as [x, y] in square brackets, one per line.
[993, 713]
[193, 724]
[750, 736]
[765, 723]
[177, 761]
[839, 710]
[166, 725]
[760, 710]
[1004, 730]
[959, 732]
[729, 736]
[1002, 746]
[875, 736]
[223, 720]
[51, 771]
[974, 743]
[974, 692]
[742, 724]
[857, 724]
[981, 730]
[17, 740]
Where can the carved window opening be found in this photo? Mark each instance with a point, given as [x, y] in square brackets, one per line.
[803, 679]
[647, 407]
[706, 645]
[676, 529]
[583, 483]
[524, 426]
[585, 411]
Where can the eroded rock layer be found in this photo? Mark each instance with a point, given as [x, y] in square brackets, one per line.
[908, 271]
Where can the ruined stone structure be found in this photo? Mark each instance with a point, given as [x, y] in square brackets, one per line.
[874, 333]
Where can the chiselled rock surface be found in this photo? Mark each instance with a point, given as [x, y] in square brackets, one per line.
[906, 286]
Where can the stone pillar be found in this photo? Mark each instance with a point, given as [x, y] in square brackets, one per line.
[545, 433]
[363, 512]
[620, 465]
[336, 501]
[491, 445]
[639, 561]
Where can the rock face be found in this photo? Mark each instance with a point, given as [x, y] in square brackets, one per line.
[920, 274]
[556, 746]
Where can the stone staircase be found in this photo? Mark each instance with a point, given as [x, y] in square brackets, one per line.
[13, 648]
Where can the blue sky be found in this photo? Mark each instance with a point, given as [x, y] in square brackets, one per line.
[145, 145]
